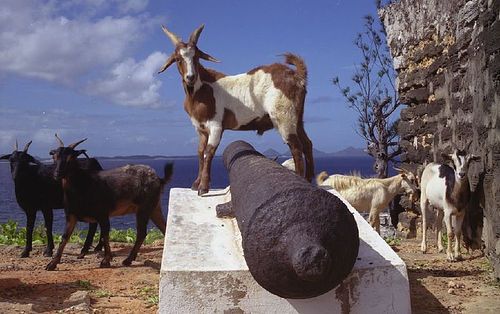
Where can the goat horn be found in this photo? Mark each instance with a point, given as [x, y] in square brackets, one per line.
[173, 37]
[77, 143]
[15, 145]
[468, 146]
[61, 144]
[399, 169]
[26, 146]
[169, 61]
[196, 34]
[207, 56]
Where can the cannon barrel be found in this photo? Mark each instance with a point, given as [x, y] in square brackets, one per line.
[299, 241]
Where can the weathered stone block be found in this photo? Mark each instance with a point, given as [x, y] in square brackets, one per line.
[418, 95]
[464, 78]
[203, 269]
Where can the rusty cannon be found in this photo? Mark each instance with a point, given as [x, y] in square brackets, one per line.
[299, 241]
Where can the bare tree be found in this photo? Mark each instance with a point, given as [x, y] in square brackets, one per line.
[373, 95]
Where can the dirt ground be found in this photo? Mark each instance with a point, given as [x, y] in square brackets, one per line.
[436, 286]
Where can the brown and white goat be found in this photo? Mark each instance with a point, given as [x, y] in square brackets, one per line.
[370, 195]
[448, 191]
[266, 97]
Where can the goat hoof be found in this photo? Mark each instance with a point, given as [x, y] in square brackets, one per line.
[81, 255]
[25, 254]
[51, 266]
[47, 253]
[105, 264]
[451, 259]
[127, 262]
[98, 248]
[202, 191]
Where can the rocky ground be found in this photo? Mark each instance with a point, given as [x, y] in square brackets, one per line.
[80, 286]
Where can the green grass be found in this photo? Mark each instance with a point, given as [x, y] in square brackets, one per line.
[84, 285]
[392, 240]
[150, 295]
[12, 234]
[496, 282]
[101, 293]
[444, 236]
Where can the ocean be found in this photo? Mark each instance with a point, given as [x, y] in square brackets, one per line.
[185, 171]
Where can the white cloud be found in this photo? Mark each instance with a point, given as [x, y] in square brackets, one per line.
[52, 41]
[131, 83]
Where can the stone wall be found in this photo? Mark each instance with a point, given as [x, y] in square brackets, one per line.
[447, 55]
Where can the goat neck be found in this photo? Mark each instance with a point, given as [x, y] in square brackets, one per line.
[460, 192]
[393, 184]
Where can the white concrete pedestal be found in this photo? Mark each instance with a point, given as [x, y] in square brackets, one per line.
[203, 269]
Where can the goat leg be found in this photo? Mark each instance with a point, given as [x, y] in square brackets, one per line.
[141, 226]
[88, 240]
[424, 209]
[202, 144]
[30, 224]
[158, 219]
[449, 232]
[99, 245]
[439, 231]
[458, 236]
[205, 176]
[68, 231]
[296, 149]
[308, 152]
[48, 218]
[104, 223]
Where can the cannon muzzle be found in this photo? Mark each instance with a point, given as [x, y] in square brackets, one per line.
[299, 241]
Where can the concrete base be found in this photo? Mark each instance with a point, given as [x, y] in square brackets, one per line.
[203, 269]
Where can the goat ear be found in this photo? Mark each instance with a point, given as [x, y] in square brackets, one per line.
[474, 158]
[446, 156]
[5, 156]
[33, 160]
[168, 63]
[206, 56]
[81, 151]
[401, 170]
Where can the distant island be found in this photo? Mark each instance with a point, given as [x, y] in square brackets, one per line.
[271, 153]
[347, 152]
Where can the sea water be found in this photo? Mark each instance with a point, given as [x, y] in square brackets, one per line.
[185, 172]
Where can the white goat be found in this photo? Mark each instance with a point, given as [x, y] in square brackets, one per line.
[447, 190]
[266, 97]
[370, 195]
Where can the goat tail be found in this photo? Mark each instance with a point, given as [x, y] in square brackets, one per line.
[321, 178]
[168, 172]
[298, 62]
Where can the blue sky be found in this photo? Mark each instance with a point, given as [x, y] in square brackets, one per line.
[88, 68]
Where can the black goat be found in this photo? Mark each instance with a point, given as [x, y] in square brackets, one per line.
[97, 195]
[36, 189]
[395, 209]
